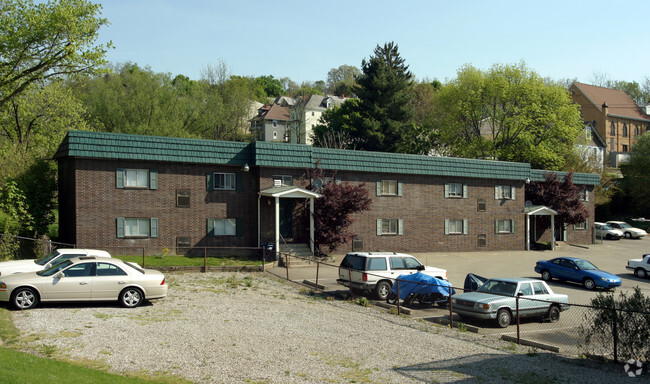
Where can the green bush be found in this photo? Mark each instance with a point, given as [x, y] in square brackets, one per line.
[625, 319]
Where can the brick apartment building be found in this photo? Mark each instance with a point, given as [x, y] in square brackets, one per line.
[614, 115]
[125, 192]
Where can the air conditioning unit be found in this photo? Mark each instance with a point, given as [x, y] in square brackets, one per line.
[357, 244]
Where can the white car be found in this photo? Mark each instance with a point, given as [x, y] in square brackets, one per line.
[375, 271]
[86, 278]
[33, 265]
[604, 231]
[628, 231]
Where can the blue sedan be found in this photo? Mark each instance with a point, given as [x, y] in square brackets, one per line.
[577, 270]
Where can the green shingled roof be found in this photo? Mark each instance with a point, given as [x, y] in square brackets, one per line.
[578, 178]
[267, 154]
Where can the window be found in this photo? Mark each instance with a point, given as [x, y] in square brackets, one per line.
[624, 130]
[222, 227]
[137, 227]
[275, 135]
[389, 188]
[79, 270]
[480, 205]
[636, 131]
[283, 179]
[275, 124]
[539, 288]
[612, 129]
[584, 194]
[481, 240]
[224, 181]
[183, 198]
[625, 147]
[136, 178]
[106, 269]
[456, 227]
[455, 190]
[506, 192]
[390, 227]
[397, 263]
[504, 226]
[376, 264]
[183, 245]
[583, 225]
[312, 113]
[588, 133]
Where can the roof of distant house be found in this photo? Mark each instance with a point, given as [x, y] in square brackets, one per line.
[618, 102]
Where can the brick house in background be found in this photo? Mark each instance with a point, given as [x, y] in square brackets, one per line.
[616, 117]
[129, 193]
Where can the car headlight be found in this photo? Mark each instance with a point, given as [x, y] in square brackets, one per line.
[481, 306]
[453, 301]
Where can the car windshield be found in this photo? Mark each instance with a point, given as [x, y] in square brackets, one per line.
[585, 265]
[606, 227]
[498, 287]
[56, 268]
[46, 259]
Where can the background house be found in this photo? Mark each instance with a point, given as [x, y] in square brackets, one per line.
[617, 118]
[132, 193]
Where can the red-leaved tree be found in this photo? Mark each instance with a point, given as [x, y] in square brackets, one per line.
[333, 211]
[560, 195]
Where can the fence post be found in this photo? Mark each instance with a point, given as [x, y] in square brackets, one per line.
[287, 264]
[317, 269]
[263, 258]
[143, 259]
[615, 334]
[397, 289]
[205, 259]
[451, 313]
[517, 314]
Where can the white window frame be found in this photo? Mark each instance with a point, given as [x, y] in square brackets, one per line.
[223, 181]
[225, 227]
[455, 191]
[284, 179]
[504, 192]
[137, 227]
[136, 178]
[456, 226]
[389, 187]
[581, 226]
[504, 226]
[390, 227]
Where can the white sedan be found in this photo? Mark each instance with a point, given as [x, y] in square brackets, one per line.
[85, 278]
[32, 265]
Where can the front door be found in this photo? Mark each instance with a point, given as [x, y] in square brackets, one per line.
[286, 219]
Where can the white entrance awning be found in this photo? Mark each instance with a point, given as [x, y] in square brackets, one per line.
[288, 192]
[539, 210]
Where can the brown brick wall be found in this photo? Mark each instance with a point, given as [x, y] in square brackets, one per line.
[90, 204]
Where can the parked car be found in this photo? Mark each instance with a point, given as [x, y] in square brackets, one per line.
[86, 278]
[375, 272]
[577, 270]
[604, 231]
[32, 265]
[628, 231]
[641, 267]
[495, 300]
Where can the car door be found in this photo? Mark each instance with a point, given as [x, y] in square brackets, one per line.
[108, 282]
[571, 271]
[73, 283]
[528, 303]
[557, 270]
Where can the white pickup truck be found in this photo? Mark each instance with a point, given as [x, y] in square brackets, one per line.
[641, 267]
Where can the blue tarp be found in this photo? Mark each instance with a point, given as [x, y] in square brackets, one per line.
[421, 284]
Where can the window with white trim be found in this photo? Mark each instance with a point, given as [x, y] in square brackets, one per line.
[455, 190]
[389, 187]
[225, 181]
[504, 192]
[136, 178]
[222, 227]
[137, 227]
[283, 179]
[456, 226]
[504, 226]
[581, 226]
[390, 227]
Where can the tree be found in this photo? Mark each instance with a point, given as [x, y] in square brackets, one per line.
[44, 41]
[636, 177]
[272, 87]
[507, 113]
[13, 209]
[560, 195]
[342, 80]
[332, 211]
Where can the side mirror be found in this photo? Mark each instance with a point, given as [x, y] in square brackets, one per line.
[420, 268]
[59, 275]
[48, 265]
[520, 293]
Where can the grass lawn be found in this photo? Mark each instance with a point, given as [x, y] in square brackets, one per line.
[18, 367]
[183, 261]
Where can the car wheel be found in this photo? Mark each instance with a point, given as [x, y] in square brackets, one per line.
[546, 275]
[131, 297]
[628, 235]
[589, 283]
[382, 290]
[553, 314]
[504, 318]
[640, 272]
[24, 298]
[608, 237]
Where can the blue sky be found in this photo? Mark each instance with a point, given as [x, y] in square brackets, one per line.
[303, 40]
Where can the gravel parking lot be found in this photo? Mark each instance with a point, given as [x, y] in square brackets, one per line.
[253, 328]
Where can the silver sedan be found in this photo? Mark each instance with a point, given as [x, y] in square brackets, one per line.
[86, 278]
